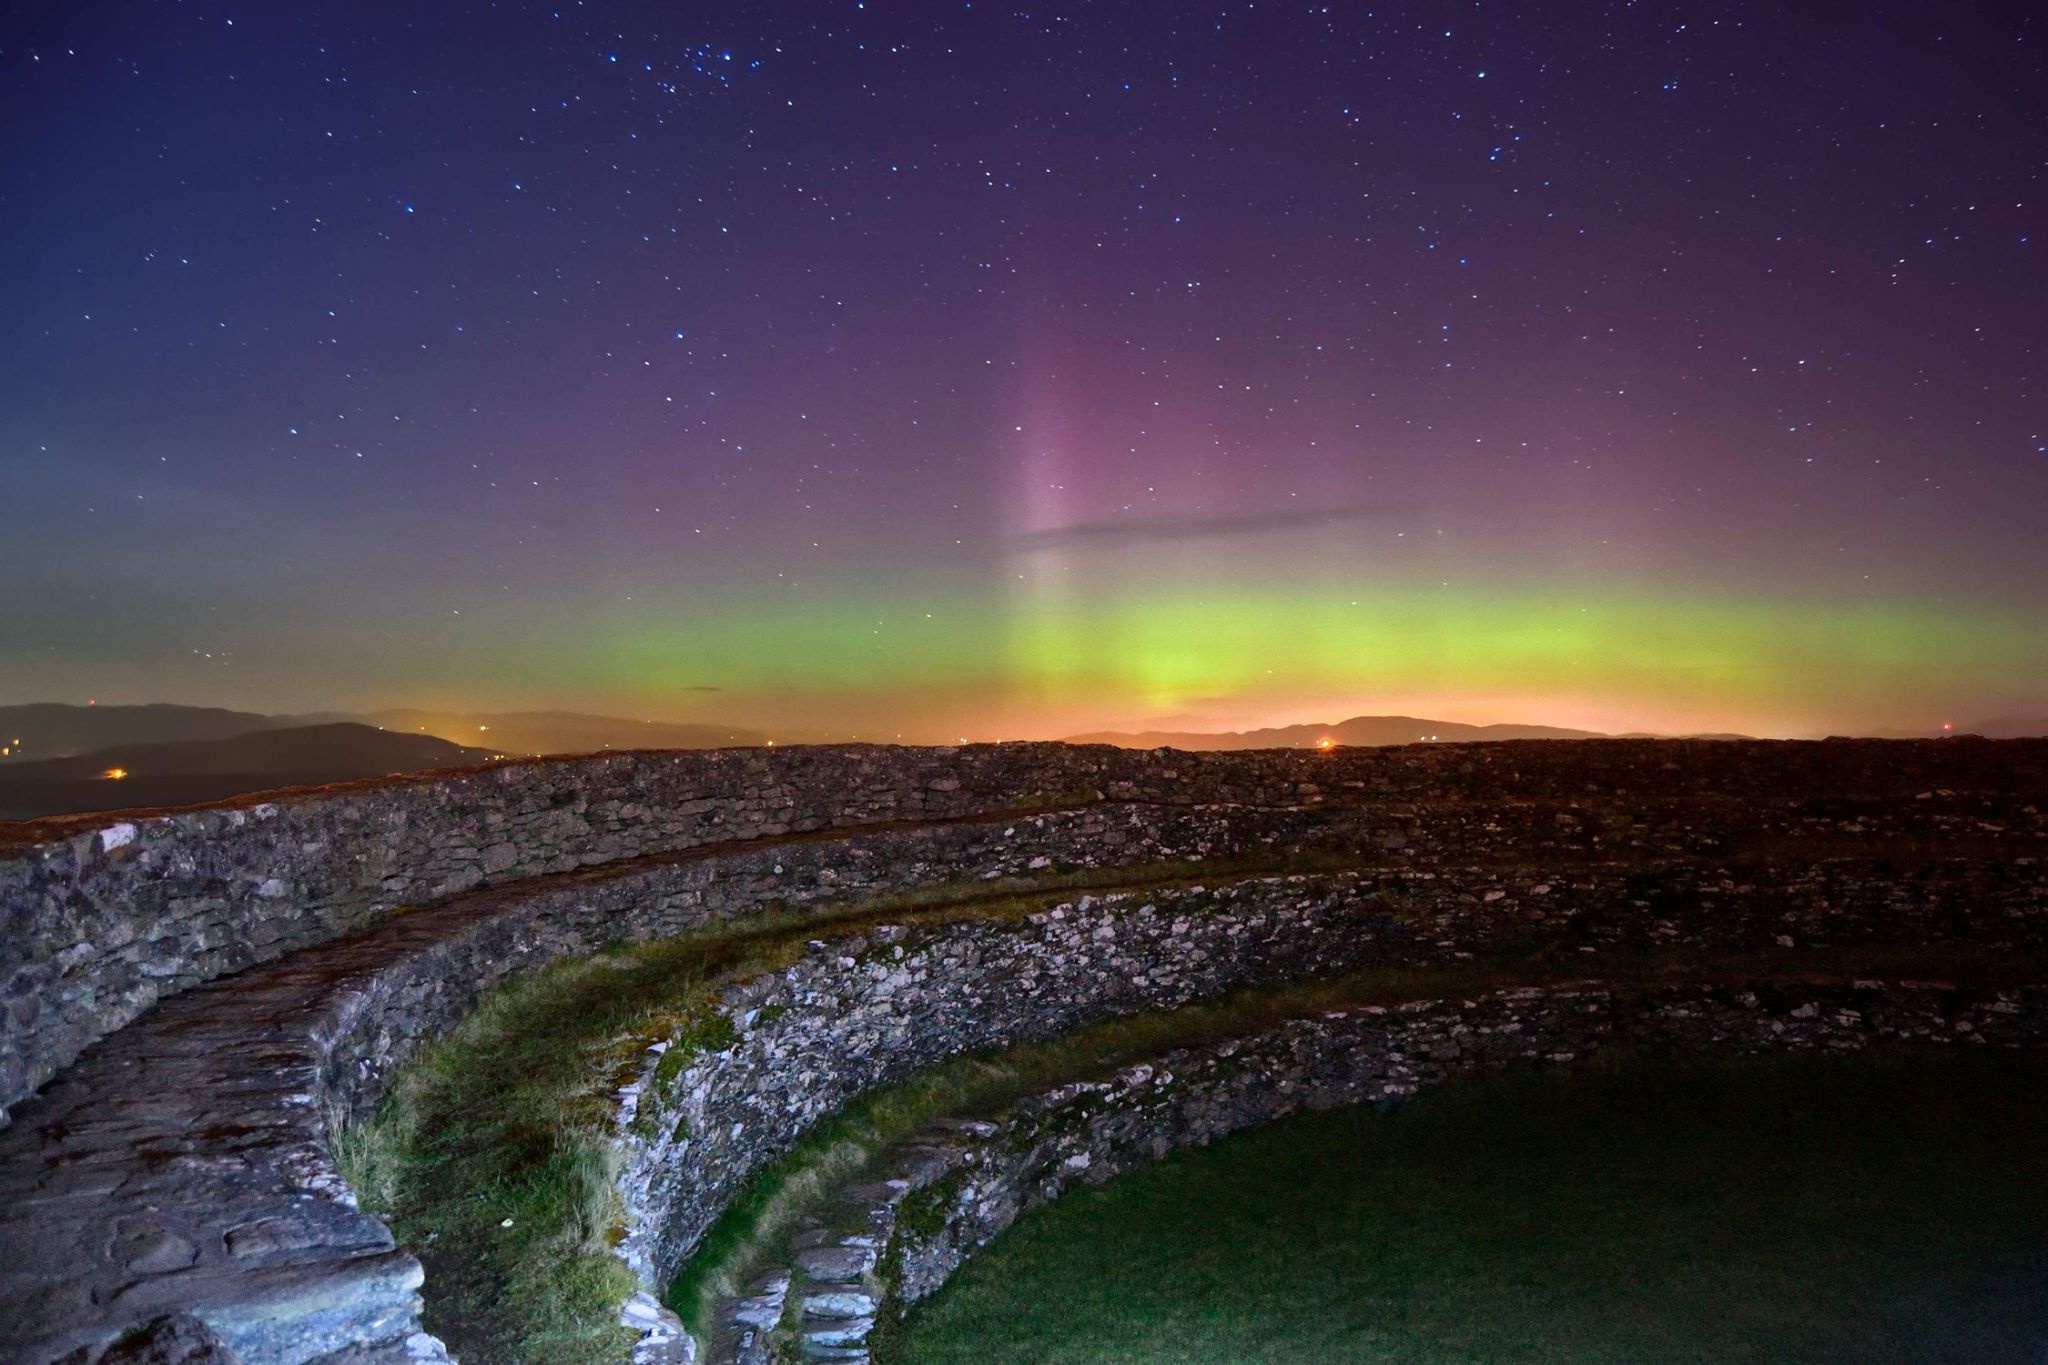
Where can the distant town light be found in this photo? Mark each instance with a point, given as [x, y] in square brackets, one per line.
[114, 774]
[1326, 743]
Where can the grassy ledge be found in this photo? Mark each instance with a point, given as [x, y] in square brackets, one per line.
[490, 1156]
[750, 1237]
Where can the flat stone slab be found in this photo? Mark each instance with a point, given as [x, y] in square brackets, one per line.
[180, 1167]
[836, 1263]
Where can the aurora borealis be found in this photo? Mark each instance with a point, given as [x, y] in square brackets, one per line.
[941, 369]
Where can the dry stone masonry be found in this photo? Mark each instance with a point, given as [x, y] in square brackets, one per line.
[887, 1242]
[187, 999]
[875, 1008]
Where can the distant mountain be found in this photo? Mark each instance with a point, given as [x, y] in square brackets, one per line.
[186, 772]
[45, 730]
[55, 730]
[1359, 730]
[2007, 727]
[561, 732]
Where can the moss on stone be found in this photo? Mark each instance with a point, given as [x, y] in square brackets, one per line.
[924, 1212]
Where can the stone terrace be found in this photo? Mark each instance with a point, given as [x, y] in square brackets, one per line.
[204, 986]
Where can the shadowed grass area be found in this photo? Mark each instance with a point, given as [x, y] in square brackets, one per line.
[490, 1156]
[749, 1237]
[1786, 1211]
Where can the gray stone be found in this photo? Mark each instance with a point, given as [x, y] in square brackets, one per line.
[1081, 1133]
[835, 1264]
[279, 990]
[177, 1339]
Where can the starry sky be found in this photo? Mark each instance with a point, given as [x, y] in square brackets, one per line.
[1001, 369]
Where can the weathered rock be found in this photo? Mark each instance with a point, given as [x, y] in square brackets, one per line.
[176, 1339]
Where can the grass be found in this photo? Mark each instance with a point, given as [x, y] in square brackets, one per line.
[490, 1156]
[749, 1238]
[1874, 1209]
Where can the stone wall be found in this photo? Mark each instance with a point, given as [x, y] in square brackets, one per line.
[102, 915]
[209, 1116]
[942, 1195]
[180, 1162]
[872, 1009]
[516, 929]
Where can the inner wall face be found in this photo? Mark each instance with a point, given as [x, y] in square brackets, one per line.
[1884, 1207]
[875, 1009]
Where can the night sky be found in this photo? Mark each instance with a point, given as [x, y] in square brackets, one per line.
[940, 370]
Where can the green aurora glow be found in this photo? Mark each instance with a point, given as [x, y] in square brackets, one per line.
[1636, 659]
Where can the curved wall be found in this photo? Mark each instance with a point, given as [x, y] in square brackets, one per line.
[100, 916]
[941, 1196]
[181, 1161]
[115, 913]
[860, 1012]
[873, 1009]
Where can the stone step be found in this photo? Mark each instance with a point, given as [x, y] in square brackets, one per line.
[762, 1308]
[837, 1334]
[835, 1263]
[825, 1305]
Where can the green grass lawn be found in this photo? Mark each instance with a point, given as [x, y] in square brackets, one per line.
[1778, 1211]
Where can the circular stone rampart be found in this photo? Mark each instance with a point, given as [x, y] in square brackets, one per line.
[181, 1162]
[873, 1009]
[940, 1196]
[102, 915]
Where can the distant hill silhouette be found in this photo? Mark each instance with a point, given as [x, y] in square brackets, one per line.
[2007, 727]
[562, 732]
[1359, 730]
[184, 772]
[56, 730]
